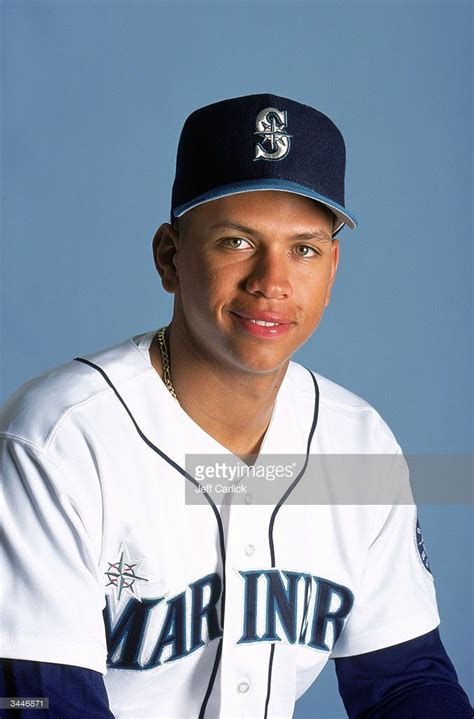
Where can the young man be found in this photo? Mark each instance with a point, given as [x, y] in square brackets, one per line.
[120, 561]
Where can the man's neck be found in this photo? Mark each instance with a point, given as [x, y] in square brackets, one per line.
[235, 409]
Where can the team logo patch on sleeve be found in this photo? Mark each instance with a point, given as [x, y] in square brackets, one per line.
[421, 547]
[123, 575]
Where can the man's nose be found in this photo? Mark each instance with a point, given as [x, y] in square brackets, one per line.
[269, 276]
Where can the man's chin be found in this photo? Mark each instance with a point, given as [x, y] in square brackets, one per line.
[262, 363]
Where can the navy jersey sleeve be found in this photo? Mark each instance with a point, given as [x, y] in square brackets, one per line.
[411, 680]
[73, 692]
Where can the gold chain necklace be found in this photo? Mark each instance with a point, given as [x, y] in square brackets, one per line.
[165, 361]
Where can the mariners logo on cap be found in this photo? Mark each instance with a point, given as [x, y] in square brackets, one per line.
[271, 124]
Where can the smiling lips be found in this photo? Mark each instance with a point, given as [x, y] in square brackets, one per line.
[264, 324]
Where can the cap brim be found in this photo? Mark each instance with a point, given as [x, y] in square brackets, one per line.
[236, 188]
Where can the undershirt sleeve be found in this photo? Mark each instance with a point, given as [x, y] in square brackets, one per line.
[72, 692]
[413, 680]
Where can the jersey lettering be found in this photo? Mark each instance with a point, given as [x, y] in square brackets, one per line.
[126, 637]
[173, 632]
[276, 606]
[287, 598]
[281, 601]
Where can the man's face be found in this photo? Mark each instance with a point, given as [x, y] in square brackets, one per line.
[248, 259]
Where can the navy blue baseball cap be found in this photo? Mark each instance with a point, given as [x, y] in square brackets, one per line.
[260, 142]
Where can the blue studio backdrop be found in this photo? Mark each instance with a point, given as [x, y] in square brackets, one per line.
[94, 96]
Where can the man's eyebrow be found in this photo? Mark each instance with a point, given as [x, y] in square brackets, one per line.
[229, 225]
[316, 235]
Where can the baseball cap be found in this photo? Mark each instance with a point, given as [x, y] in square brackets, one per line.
[260, 142]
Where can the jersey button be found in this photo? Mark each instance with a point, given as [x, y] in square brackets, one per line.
[243, 686]
[249, 550]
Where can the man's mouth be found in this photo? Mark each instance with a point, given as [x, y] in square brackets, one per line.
[262, 323]
[265, 319]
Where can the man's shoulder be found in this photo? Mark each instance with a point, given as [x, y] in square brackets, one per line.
[339, 406]
[35, 410]
[328, 391]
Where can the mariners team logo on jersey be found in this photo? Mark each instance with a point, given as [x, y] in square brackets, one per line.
[276, 606]
[274, 140]
[124, 575]
[421, 548]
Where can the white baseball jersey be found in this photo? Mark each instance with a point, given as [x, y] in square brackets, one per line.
[193, 609]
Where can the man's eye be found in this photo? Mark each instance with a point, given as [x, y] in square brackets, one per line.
[236, 243]
[305, 251]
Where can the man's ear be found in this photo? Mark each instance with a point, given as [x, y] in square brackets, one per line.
[165, 246]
